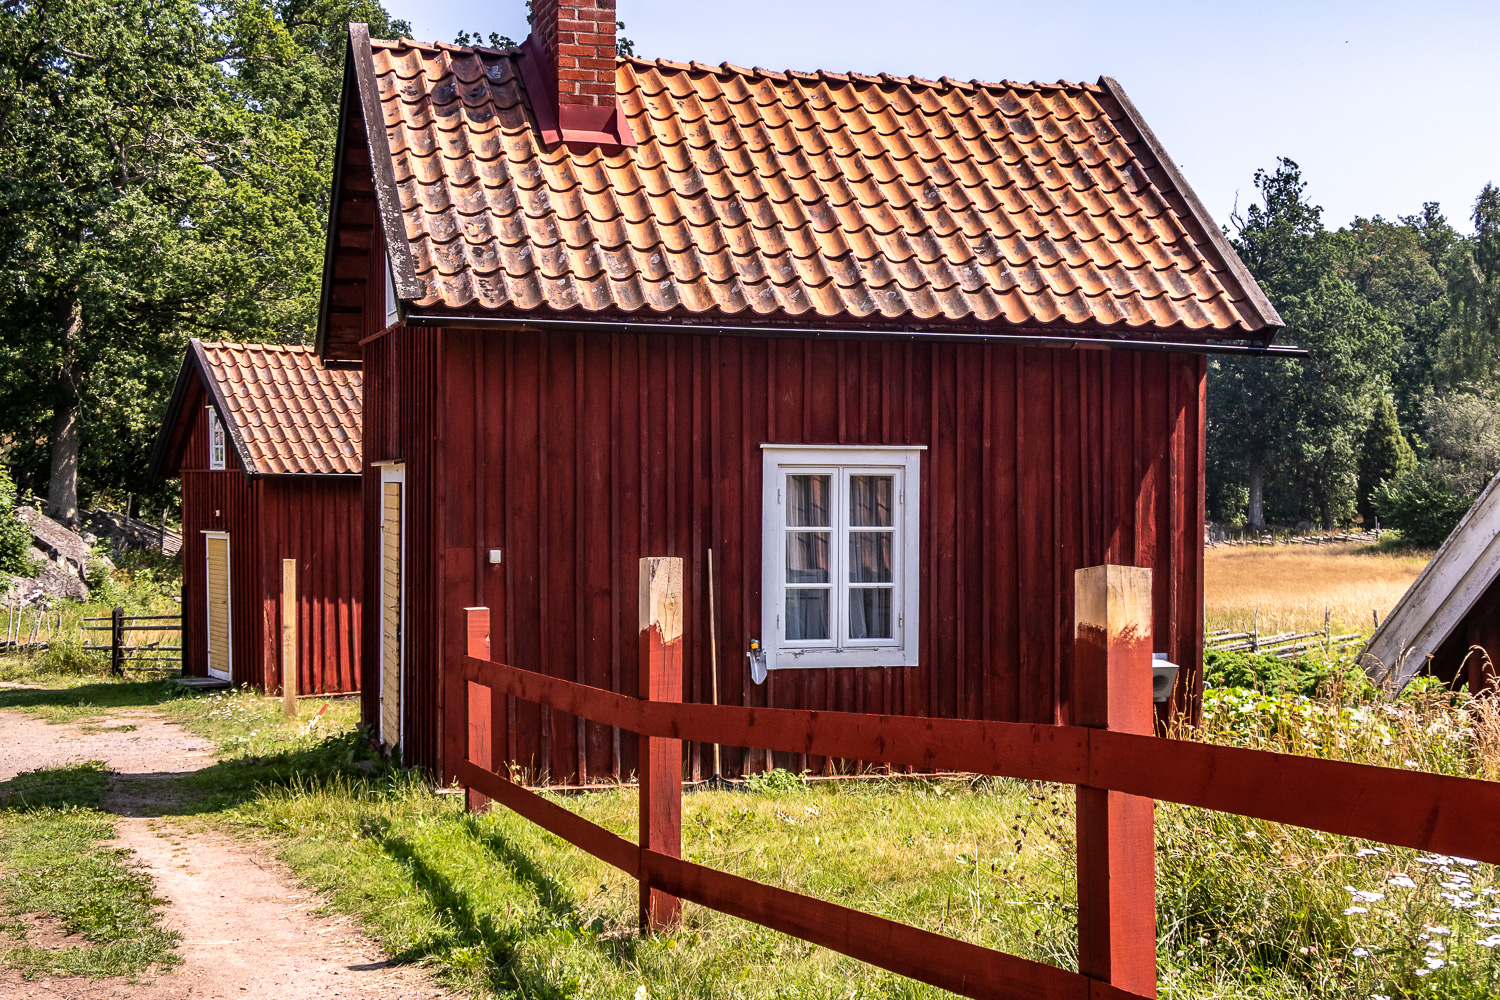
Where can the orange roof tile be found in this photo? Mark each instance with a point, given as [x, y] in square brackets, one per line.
[777, 196]
[286, 413]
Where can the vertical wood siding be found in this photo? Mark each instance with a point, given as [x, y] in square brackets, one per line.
[400, 426]
[579, 453]
[221, 501]
[315, 519]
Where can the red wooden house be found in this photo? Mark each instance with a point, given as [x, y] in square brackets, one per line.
[266, 442]
[903, 353]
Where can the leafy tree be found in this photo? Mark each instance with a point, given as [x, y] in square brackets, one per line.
[164, 173]
[1384, 454]
[1400, 268]
[1473, 347]
[15, 537]
[1293, 426]
[1423, 505]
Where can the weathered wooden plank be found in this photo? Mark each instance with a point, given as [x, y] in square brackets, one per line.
[1116, 843]
[661, 621]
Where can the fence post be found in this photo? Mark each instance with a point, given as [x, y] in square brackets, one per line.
[117, 641]
[660, 759]
[289, 637]
[478, 699]
[1116, 840]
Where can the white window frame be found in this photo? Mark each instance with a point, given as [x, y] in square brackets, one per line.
[218, 441]
[841, 461]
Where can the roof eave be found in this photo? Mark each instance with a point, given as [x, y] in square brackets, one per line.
[169, 419]
[359, 71]
[1041, 336]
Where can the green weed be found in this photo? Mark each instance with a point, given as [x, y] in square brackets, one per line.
[55, 864]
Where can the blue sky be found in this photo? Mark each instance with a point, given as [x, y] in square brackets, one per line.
[1385, 105]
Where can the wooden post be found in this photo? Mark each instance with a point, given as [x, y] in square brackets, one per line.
[289, 636]
[660, 759]
[117, 641]
[478, 699]
[1116, 839]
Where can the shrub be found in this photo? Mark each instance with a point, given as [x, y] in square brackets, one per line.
[1422, 505]
[775, 780]
[1305, 675]
[15, 537]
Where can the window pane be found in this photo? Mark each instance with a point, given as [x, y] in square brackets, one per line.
[807, 501]
[806, 614]
[870, 613]
[870, 501]
[870, 556]
[807, 557]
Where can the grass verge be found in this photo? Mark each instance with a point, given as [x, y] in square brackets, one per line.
[499, 908]
[72, 905]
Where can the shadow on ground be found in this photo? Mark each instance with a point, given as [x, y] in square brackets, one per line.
[127, 694]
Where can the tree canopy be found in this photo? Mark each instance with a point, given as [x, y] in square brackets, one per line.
[164, 173]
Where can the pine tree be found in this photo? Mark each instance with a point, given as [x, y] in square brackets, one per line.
[1384, 454]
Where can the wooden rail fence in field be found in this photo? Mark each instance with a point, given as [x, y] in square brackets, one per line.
[121, 651]
[1118, 766]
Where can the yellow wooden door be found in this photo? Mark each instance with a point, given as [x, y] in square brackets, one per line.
[390, 613]
[217, 593]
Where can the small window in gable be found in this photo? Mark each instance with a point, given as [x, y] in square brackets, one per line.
[217, 445]
[840, 564]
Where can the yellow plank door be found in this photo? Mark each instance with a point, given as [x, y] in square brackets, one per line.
[391, 487]
[217, 594]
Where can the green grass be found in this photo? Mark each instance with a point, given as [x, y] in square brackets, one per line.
[497, 907]
[60, 698]
[55, 863]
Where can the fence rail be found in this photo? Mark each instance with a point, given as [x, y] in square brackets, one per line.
[1116, 765]
[122, 652]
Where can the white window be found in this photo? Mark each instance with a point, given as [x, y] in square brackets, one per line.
[217, 449]
[840, 568]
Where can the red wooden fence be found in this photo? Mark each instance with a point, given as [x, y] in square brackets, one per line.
[1118, 766]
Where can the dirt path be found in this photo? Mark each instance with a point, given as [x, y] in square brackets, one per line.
[248, 929]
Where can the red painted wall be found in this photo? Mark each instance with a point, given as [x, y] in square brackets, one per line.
[578, 454]
[314, 519]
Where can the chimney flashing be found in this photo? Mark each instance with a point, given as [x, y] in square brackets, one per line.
[581, 126]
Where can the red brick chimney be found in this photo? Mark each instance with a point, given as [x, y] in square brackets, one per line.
[569, 71]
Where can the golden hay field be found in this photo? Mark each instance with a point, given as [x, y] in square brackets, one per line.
[1293, 584]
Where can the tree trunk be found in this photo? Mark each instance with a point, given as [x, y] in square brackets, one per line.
[62, 484]
[1257, 510]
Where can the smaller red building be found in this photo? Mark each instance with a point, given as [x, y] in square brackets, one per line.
[266, 441]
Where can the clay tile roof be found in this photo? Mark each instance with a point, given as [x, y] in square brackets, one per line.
[286, 413]
[768, 196]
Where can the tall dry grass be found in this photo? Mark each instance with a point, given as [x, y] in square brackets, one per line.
[1292, 585]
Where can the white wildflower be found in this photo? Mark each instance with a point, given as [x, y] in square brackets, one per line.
[641, 993]
[1360, 953]
[1401, 881]
[1436, 929]
[1364, 895]
[1365, 852]
[1434, 963]
[1488, 942]
[1355, 909]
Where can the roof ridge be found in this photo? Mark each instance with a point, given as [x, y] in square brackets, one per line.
[727, 69]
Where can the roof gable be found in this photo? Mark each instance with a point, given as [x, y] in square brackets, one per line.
[1441, 596]
[285, 413]
[783, 197]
